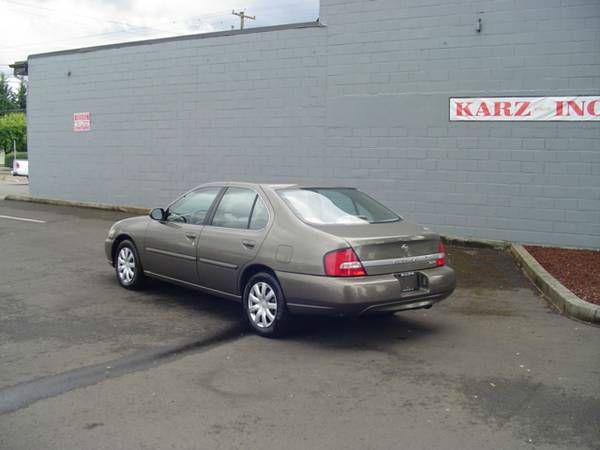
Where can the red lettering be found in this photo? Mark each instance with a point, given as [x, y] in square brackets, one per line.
[577, 109]
[591, 107]
[559, 108]
[522, 107]
[502, 109]
[483, 110]
[462, 109]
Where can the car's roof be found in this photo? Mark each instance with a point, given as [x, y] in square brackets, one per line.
[272, 186]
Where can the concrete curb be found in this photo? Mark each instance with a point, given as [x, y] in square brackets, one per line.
[558, 295]
[452, 240]
[103, 206]
[475, 243]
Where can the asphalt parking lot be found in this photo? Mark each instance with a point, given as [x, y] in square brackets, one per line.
[85, 364]
[12, 185]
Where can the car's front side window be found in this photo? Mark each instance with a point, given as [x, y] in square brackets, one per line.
[234, 208]
[193, 207]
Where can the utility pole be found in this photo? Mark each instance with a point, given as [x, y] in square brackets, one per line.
[242, 15]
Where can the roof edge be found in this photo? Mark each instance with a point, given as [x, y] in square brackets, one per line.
[19, 68]
[185, 37]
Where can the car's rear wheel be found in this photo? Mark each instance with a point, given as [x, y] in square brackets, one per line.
[265, 306]
[128, 266]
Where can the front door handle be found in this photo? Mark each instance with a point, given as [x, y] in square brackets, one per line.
[191, 236]
[248, 244]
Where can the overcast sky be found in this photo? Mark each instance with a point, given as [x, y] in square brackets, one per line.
[37, 26]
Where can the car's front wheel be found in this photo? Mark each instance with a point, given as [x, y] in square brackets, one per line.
[265, 306]
[128, 265]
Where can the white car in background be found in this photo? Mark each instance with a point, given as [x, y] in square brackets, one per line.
[20, 167]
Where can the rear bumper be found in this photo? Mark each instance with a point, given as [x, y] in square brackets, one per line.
[311, 294]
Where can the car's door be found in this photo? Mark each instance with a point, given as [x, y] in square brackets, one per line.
[232, 238]
[170, 244]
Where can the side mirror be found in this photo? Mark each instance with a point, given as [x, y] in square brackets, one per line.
[158, 214]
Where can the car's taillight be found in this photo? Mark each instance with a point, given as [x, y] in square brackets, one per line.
[441, 259]
[343, 263]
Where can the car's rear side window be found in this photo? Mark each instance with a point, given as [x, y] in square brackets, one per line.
[260, 215]
[234, 208]
[329, 206]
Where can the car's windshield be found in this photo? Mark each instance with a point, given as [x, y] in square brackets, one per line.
[339, 206]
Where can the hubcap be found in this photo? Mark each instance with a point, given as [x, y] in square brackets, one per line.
[126, 265]
[262, 304]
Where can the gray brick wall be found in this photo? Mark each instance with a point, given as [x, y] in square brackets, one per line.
[362, 101]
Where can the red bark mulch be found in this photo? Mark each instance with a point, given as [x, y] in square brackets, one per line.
[577, 270]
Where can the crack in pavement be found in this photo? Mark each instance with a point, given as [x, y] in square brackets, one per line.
[13, 398]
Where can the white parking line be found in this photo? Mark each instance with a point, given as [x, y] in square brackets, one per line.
[23, 219]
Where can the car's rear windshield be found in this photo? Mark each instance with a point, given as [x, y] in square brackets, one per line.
[336, 206]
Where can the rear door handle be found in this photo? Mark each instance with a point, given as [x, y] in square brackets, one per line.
[248, 244]
[191, 236]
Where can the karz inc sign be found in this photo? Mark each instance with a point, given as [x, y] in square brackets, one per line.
[525, 108]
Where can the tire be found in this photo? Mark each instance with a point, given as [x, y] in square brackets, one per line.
[267, 318]
[128, 266]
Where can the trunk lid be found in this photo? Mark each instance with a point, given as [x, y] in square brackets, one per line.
[389, 247]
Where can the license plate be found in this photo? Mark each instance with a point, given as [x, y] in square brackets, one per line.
[408, 281]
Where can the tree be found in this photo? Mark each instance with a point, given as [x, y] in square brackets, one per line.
[7, 97]
[21, 98]
[13, 127]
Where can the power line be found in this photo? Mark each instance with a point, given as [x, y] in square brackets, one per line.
[127, 24]
[133, 29]
[37, 44]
